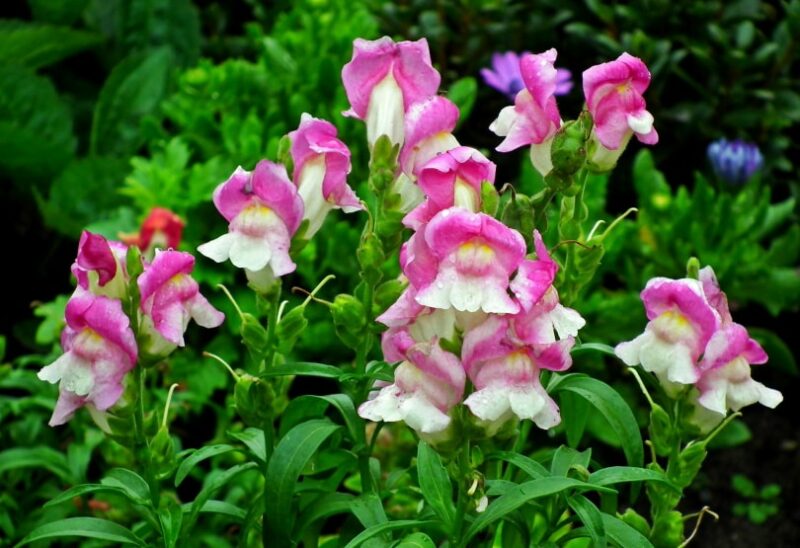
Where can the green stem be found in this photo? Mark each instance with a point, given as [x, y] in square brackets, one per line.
[269, 418]
[464, 473]
[141, 445]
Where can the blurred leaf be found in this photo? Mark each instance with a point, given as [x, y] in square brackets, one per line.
[52, 314]
[133, 89]
[36, 139]
[197, 457]
[60, 12]
[35, 45]
[84, 527]
[463, 93]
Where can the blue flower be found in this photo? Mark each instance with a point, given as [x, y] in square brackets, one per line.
[735, 161]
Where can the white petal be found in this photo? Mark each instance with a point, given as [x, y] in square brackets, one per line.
[250, 253]
[217, 250]
[386, 112]
[566, 321]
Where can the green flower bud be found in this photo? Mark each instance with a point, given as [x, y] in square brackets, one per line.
[387, 294]
[253, 334]
[683, 470]
[348, 319]
[290, 327]
[162, 452]
[370, 252]
[632, 518]
[285, 153]
[253, 400]
[569, 149]
[668, 530]
[490, 198]
[519, 214]
[662, 435]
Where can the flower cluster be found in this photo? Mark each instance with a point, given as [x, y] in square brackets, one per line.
[735, 161]
[265, 209]
[476, 308]
[99, 341]
[692, 340]
[613, 93]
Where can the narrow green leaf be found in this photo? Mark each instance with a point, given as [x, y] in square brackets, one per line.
[624, 474]
[526, 464]
[368, 509]
[291, 455]
[435, 484]
[211, 488]
[591, 518]
[198, 456]
[593, 347]
[416, 540]
[83, 527]
[623, 534]
[523, 493]
[133, 89]
[170, 518]
[304, 369]
[327, 505]
[381, 528]
[219, 507]
[80, 490]
[344, 404]
[36, 457]
[565, 458]
[253, 438]
[135, 487]
[611, 406]
[574, 412]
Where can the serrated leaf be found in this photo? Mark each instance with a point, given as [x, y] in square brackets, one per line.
[35, 124]
[133, 89]
[198, 456]
[36, 45]
[84, 527]
[291, 455]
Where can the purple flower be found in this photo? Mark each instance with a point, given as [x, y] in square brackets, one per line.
[505, 75]
[735, 161]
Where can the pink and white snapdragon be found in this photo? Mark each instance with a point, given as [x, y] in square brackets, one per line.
[451, 179]
[534, 118]
[383, 79]
[321, 165]
[427, 385]
[429, 126]
[474, 256]
[264, 210]
[613, 92]
[170, 297]
[691, 339]
[100, 265]
[99, 349]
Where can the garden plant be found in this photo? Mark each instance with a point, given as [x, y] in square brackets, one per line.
[341, 323]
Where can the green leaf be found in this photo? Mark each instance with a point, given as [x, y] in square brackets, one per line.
[219, 507]
[611, 406]
[780, 355]
[133, 484]
[327, 505]
[526, 464]
[198, 456]
[211, 488]
[574, 412]
[35, 45]
[62, 12]
[591, 518]
[368, 509]
[565, 458]
[83, 527]
[133, 89]
[346, 408]
[291, 455]
[171, 518]
[523, 493]
[36, 457]
[435, 484]
[381, 528]
[34, 124]
[80, 490]
[253, 438]
[304, 369]
[52, 314]
[624, 474]
[623, 534]
[463, 93]
[593, 347]
[416, 540]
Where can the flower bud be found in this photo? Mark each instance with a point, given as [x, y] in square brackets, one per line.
[290, 328]
[253, 400]
[349, 319]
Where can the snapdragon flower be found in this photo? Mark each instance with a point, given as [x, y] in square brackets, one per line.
[170, 297]
[99, 266]
[613, 92]
[99, 349]
[321, 165]
[383, 80]
[505, 76]
[534, 118]
[429, 126]
[264, 210]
